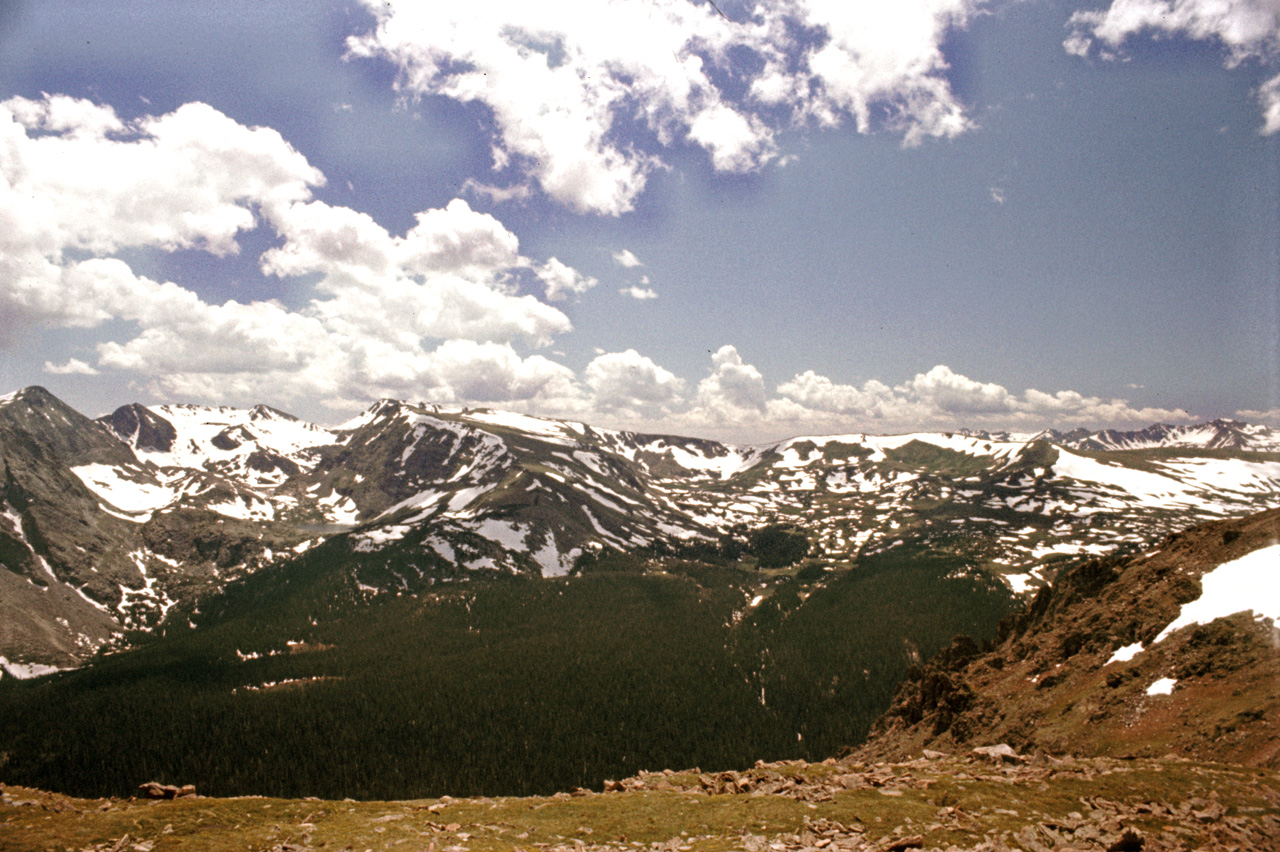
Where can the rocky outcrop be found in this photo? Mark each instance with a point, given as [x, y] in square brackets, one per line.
[1076, 671]
[156, 790]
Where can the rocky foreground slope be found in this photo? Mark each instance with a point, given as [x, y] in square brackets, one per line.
[1172, 651]
[943, 804]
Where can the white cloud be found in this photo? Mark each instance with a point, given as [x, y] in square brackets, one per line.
[1271, 417]
[76, 180]
[888, 55]
[733, 387]
[944, 390]
[640, 293]
[1269, 97]
[433, 312]
[874, 400]
[73, 367]
[445, 279]
[631, 381]
[564, 81]
[627, 259]
[466, 371]
[77, 177]
[1246, 29]
[497, 194]
[942, 398]
[561, 280]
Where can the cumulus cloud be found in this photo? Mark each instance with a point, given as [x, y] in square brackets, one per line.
[887, 55]
[1246, 29]
[433, 312]
[78, 177]
[565, 82]
[943, 398]
[874, 400]
[466, 371]
[1270, 417]
[732, 403]
[75, 180]
[1269, 98]
[733, 387]
[631, 381]
[640, 293]
[561, 280]
[945, 390]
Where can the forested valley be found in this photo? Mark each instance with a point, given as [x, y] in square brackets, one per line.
[496, 686]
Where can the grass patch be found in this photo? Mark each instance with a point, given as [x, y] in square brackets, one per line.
[949, 802]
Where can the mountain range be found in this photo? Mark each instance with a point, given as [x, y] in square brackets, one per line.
[111, 525]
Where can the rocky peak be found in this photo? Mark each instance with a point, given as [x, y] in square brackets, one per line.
[43, 424]
[266, 412]
[141, 428]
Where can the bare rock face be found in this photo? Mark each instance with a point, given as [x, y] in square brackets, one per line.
[139, 427]
[1079, 671]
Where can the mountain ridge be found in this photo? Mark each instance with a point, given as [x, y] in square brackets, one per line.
[174, 501]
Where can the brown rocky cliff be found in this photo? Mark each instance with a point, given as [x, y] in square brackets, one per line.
[1048, 683]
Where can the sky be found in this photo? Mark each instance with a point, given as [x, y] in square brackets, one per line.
[743, 221]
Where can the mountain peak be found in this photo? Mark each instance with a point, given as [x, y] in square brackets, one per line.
[383, 408]
[32, 395]
[141, 428]
[266, 412]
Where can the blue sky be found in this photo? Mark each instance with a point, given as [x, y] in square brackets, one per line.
[795, 217]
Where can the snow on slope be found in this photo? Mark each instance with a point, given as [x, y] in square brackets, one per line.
[1250, 583]
[548, 430]
[1127, 485]
[124, 493]
[227, 436]
[1215, 434]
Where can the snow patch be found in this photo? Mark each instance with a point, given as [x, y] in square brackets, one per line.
[1019, 582]
[339, 509]
[1250, 583]
[506, 533]
[1125, 654]
[726, 465]
[1149, 489]
[26, 671]
[110, 484]
[550, 430]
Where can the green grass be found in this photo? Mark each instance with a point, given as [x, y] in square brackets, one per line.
[982, 800]
[919, 455]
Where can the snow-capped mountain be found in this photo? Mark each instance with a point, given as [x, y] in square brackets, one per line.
[1213, 435]
[107, 524]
